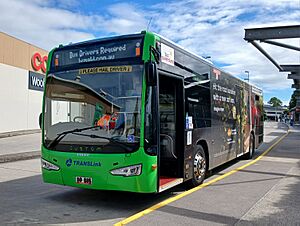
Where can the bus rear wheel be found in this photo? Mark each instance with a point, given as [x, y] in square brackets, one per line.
[199, 166]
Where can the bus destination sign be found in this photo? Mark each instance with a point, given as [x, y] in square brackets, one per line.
[104, 51]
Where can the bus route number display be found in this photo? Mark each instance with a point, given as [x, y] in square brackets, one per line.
[104, 51]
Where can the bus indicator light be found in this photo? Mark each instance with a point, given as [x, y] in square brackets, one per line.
[138, 51]
[154, 166]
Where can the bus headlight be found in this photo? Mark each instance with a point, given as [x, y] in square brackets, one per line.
[49, 166]
[128, 171]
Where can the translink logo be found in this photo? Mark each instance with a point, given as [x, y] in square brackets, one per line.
[69, 163]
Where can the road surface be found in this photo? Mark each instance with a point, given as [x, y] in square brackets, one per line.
[266, 192]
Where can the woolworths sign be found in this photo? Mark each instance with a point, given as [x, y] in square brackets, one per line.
[35, 81]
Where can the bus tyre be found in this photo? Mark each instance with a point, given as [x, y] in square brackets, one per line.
[199, 166]
[250, 154]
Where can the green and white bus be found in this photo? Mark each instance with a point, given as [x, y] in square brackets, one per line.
[139, 113]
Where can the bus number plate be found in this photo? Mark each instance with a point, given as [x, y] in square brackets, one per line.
[84, 180]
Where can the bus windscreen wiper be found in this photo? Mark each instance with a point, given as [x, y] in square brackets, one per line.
[111, 139]
[60, 136]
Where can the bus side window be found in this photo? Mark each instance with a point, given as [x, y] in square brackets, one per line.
[198, 102]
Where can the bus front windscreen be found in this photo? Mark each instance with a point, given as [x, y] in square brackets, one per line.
[95, 110]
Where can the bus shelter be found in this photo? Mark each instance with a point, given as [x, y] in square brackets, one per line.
[271, 35]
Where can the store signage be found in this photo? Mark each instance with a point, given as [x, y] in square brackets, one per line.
[35, 81]
[39, 62]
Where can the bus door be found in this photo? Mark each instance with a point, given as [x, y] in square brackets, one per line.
[171, 116]
[239, 120]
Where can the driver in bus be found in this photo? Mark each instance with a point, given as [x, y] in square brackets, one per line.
[98, 113]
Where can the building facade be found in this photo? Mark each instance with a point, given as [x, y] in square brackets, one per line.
[274, 113]
[22, 70]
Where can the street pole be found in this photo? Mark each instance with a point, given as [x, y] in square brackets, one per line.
[247, 72]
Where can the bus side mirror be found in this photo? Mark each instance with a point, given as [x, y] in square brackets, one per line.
[151, 73]
[40, 120]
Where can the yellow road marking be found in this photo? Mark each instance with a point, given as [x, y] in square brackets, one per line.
[172, 199]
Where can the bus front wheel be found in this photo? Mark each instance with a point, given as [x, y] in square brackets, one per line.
[199, 166]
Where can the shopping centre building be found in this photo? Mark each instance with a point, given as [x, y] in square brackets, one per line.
[22, 69]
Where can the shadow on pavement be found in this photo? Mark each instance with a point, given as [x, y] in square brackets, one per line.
[211, 217]
[51, 204]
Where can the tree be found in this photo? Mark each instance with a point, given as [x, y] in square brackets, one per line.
[293, 101]
[275, 102]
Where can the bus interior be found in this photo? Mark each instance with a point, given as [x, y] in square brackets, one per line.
[171, 117]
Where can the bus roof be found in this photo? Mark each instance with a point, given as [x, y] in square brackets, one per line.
[181, 47]
[257, 90]
[92, 41]
[135, 35]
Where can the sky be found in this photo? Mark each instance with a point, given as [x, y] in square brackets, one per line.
[212, 28]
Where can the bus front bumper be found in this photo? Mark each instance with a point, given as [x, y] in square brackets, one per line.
[94, 171]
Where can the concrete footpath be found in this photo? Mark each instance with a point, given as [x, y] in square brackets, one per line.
[20, 147]
[281, 204]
